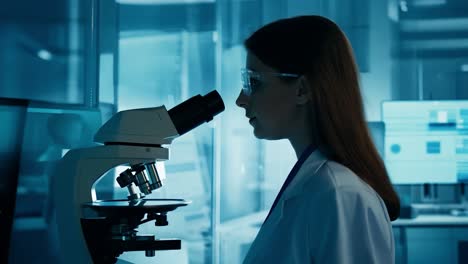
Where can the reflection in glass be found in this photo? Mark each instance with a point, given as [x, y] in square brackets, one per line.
[43, 54]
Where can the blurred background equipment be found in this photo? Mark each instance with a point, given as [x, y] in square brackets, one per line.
[93, 58]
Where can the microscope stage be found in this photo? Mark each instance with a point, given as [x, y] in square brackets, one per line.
[137, 206]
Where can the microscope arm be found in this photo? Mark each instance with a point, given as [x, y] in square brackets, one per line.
[73, 184]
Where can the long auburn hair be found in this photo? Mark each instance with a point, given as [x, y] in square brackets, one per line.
[315, 47]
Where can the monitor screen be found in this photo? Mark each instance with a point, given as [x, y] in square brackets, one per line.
[12, 116]
[426, 141]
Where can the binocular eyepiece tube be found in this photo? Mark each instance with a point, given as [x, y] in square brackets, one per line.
[195, 111]
[185, 117]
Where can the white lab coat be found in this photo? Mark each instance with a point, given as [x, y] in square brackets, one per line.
[326, 215]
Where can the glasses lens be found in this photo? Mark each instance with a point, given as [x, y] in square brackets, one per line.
[245, 82]
[251, 81]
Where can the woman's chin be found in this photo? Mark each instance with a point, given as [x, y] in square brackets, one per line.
[258, 134]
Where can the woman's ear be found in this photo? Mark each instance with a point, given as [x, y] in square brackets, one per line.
[302, 91]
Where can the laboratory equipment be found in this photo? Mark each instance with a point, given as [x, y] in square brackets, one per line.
[426, 141]
[97, 231]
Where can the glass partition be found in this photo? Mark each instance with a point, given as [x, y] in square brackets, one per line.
[166, 54]
[46, 51]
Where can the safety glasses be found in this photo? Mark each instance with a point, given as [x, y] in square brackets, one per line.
[252, 80]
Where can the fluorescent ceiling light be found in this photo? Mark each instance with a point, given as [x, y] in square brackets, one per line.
[44, 54]
[403, 6]
[162, 2]
[435, 44]
[439, 24]
[428, 2]
[464, 68]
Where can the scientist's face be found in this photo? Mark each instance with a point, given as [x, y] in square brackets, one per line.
[269, 102]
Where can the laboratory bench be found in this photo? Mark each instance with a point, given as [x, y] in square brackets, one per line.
[431, 239]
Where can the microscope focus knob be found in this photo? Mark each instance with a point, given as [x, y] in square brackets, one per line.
[161, 219]
[125, 178]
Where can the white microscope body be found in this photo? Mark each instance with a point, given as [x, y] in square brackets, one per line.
[133, 138]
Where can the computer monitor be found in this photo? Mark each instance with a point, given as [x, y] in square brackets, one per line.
[12, 117]
[377, 133]
[426, 141]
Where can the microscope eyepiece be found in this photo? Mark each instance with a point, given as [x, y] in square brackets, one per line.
[195, 111]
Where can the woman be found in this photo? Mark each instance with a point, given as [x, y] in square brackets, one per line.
[301, 83]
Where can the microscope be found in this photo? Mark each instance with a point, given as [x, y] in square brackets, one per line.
[98, 231]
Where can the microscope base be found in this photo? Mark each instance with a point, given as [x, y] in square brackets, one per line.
[105, 249]
[113, 228]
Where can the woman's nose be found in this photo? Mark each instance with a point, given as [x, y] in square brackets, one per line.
[241, 100]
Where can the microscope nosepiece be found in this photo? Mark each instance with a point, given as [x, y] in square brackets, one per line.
[154, 178]
[195, 111]
[143, 183]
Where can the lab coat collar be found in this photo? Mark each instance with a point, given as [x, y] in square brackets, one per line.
[310, 167]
